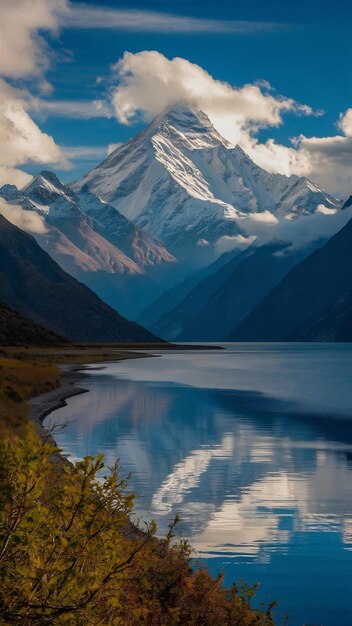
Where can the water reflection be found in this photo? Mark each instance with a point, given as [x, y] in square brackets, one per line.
[254, 476]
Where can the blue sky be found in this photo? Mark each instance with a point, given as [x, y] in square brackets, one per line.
[302, 48]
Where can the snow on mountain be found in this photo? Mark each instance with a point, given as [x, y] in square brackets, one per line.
[152, 212]
[132, 240]
[94, 242]
[82, 213]
[185, 184]
[59, 206]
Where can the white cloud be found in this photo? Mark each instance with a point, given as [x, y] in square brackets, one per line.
[264, 217]
[88, 16]
[29, 221]
[25, 54]
[325, 210]
[345, 123]
[23, 50]
[297, 232]
[263, 228]
[76, 109]
[21, 139]
[237, 242]
[13, 176]
[113, 146]
[325, 160]
[148, 83]
[84, 152]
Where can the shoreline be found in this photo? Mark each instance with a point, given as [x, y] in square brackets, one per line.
[71, 374]
[41, 406]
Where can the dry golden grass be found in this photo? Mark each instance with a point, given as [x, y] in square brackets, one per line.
[29, 372]
[21, 379]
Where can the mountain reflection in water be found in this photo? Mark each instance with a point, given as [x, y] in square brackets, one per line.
[262, 482]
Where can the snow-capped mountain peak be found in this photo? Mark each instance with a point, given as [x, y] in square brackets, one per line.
[46, 188]
[182, 182]
[187, 126]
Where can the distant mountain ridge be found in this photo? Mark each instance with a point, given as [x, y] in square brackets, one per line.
[219, 301]
[33, 284]
[313, 302]
[93, 242]
[171, 298]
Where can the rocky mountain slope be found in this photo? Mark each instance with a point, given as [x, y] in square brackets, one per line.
[34, 284]
[92, 241]
[171, 298]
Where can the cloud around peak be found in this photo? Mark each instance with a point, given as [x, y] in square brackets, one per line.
[147, 83]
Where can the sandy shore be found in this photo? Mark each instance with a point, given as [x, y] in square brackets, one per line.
[41, 406]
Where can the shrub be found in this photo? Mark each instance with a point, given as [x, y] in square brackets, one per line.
[69, 553]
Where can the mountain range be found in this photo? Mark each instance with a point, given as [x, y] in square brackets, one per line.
[160, 230]
[182, 182]
[93, 242]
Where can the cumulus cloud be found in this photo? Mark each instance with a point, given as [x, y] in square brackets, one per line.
[21, 139]
[325, 160]
[148, 83]
[264, 217]
[13, 176]
[321, 208]
[23, 50]
[345, 123]
[24, 54]
[263, 228]
[29, 221]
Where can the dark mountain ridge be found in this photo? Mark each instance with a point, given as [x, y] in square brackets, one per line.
[33, 284]
[312, 303]
[16, 330]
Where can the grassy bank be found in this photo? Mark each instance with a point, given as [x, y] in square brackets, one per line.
[20, 380]
[69, 553]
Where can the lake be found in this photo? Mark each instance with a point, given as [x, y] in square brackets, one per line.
[252, 446]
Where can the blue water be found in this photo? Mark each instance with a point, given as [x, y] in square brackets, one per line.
[252, 446]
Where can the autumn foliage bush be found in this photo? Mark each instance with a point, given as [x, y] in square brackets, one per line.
[69, 553]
